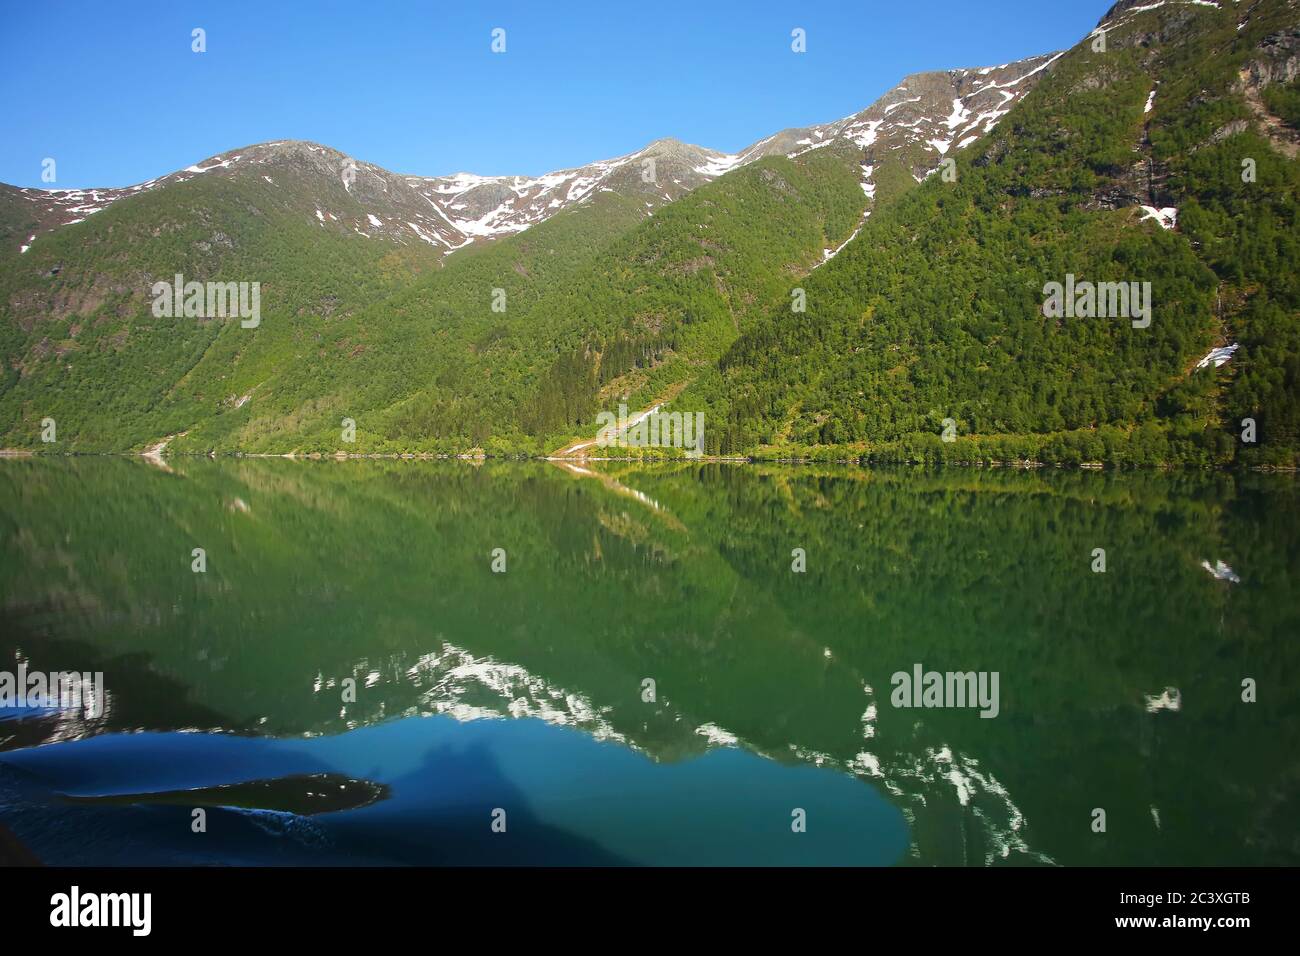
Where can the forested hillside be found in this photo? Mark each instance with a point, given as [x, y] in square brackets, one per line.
[936, 311]
[436, 367]
[83, 347]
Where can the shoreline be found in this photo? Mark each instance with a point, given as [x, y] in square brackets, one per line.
[154, 455]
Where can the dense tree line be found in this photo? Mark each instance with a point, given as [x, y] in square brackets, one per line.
[935, 313]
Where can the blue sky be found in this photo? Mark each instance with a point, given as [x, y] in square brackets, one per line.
[113, 92]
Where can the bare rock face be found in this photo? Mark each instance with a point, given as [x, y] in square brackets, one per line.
[1178, 19]
[1278, 59]
[1226, 131]
[1132, 188]
[482, 207]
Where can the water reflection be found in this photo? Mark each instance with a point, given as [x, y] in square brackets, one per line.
[377, 575]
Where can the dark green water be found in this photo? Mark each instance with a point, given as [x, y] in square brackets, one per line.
[523, 691]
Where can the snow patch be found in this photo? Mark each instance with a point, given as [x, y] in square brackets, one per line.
[1221, 571]
[204, 169]
[1218, 356]
[719, 164]
[959, 115]
[893, 106]
[1167, 217]
[431, 240]
[1170, 699]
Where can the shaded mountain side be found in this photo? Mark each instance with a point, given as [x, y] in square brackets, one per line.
[77, 328]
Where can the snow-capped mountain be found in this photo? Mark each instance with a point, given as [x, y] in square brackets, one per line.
[926, 117]
[487, 206]
[919, 122]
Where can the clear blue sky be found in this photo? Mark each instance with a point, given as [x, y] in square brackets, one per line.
[112, 91]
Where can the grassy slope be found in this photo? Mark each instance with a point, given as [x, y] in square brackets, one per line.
[81, 343]
[435, 368]
[601, 302]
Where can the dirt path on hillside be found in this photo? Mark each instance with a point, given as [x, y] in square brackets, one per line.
[577, 449]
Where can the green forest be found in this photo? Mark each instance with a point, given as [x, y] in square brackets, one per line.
[883, 358]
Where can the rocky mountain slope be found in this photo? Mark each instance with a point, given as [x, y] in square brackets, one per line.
[917, 122]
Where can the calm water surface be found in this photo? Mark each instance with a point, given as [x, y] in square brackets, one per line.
[521, 696]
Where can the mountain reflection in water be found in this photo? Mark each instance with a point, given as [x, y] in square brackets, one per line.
[349, 624]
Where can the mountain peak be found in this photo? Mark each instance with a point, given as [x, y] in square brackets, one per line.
[921, 119]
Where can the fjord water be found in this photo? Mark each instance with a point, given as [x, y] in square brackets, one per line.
[524, 692]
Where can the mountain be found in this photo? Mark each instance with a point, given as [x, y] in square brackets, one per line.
[911, 118]
[1148, 154]
[451, 212]
[448, 212]
[355, 260]
[487, 206]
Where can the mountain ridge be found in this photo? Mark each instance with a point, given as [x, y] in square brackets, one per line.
[463, 207]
